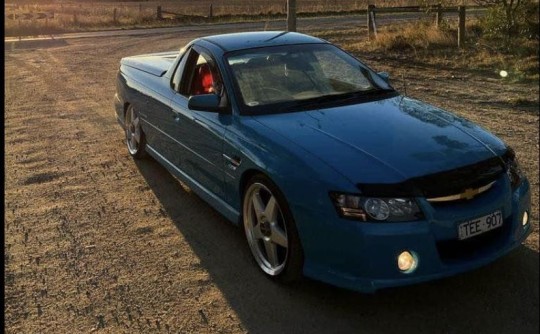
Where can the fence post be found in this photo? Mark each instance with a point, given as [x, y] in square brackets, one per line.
[461, 27]
[20, 30]
[370, 21]
[114, 15]
[140, 10]
[159, 17]
[291, 15]
[211, 12]
[33, 20]
[438, 16]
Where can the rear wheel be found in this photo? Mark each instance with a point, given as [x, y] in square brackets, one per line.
[270, 230]
[135, 139]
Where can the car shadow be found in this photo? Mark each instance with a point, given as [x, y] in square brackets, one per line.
[499, 298]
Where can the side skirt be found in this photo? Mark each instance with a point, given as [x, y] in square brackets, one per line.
[217, 203]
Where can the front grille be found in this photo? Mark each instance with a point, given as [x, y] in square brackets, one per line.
[458, 180]
[459, 250]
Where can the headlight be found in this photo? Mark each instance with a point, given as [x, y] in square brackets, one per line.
[512, 168]
[376, 209]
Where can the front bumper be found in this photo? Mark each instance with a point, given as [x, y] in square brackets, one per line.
[363, 256]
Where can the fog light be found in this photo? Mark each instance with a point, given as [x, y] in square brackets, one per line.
[407, 262]
[525, 219]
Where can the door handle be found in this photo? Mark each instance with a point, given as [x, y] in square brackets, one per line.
[232, 162]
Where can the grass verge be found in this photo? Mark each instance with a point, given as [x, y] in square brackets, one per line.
[422, 42]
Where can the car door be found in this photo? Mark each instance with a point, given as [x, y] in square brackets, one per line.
[160, 123]
[200, 132]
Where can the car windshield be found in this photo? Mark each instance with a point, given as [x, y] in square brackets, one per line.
[294, 76]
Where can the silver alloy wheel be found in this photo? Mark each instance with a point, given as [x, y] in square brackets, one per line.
[133, 131]
[265, 229]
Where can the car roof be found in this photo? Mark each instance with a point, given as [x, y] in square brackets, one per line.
[248, 40]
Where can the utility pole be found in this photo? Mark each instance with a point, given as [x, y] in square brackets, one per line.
[291, 15]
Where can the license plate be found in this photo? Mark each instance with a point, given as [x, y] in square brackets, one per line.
[480, 225]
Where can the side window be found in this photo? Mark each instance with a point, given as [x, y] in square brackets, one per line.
[177, 76]
[201, 76]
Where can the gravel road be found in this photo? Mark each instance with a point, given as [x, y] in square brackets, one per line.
[95, 241]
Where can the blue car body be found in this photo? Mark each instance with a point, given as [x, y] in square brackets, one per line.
[348, 148]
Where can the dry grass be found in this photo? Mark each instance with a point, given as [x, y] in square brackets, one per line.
[421, 42]
[420, 35]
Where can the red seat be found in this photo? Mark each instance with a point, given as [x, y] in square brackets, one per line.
[203, 81]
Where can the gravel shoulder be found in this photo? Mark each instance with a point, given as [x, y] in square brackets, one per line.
[95, 241]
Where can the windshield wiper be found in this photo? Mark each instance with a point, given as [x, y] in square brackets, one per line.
[337, 99]
[316, 101]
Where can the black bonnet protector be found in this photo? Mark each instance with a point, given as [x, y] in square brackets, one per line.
[443, 183]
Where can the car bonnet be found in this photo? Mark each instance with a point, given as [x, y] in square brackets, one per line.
[386, 141]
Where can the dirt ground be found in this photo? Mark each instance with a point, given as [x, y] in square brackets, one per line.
[95, 241]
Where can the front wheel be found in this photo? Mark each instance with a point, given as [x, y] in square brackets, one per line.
[135, 139]
[270, 231]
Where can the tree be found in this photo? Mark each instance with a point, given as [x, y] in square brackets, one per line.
[510, 8]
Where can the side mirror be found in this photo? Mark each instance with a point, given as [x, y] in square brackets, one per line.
[385, 76]
[205, 102]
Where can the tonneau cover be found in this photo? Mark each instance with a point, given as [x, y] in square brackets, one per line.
[155, 63]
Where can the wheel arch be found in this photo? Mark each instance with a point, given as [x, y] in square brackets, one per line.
[246, 176]
[126, 106]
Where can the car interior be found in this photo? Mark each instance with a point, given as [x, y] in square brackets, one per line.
[274, 78]
[203, 80]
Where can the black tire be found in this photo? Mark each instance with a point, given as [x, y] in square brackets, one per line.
[263, 234]
[135, 138]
